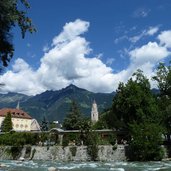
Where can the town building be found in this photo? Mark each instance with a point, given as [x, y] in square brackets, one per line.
[94, 112]
[21, 121]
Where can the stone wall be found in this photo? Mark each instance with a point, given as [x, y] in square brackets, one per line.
[60, 153]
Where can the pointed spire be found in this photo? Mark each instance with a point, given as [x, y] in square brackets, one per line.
[18, 105]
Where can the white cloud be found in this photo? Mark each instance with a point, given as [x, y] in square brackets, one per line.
[165, 38]
[70, 31]
[119, 39]
[45, 48]
[141, 13]
[150, 52]
[110, 61]
[66, 62]
[136, 38]
[62, 65]
[152, 31]
[147, 32]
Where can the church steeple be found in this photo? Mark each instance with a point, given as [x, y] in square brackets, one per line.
[94, 112]
[18, 105]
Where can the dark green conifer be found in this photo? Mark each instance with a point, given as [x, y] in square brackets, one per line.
[7, 123]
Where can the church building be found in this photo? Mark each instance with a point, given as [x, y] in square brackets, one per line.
[21, 121]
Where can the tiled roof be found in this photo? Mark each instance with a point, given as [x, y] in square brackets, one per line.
[15, 113]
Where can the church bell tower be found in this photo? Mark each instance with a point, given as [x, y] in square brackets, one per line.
[94, 112]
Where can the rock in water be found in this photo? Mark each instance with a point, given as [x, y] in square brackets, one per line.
[21, 159]
[52, 169]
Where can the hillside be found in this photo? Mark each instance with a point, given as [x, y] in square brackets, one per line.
[55, 104]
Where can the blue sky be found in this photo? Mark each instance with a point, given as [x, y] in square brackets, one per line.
[93, 44]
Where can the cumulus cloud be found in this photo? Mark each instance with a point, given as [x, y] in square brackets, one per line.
[150, 52]
[67, 61]
[64, 63]
[70, 31]
[146, 58]
[165, 38]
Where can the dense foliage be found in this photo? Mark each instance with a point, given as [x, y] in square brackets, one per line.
[135, 110]
[11, 16]
[23, 138]
[163, 79]
[146, 142]
[73, 119]
[134, 102]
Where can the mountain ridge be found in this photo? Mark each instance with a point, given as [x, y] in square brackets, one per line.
[54, 105]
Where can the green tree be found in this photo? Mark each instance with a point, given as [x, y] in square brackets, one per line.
[11, 16]
[136, 111]
[146, 142]
[44, 124]
[134, 102]
[163, 79]
[74, 118]
[7, 123]
[101, 123]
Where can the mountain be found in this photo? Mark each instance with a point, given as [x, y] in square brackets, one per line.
[55, 104]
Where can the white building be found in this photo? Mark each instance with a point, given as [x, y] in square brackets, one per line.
[21, 121]
[94, 112]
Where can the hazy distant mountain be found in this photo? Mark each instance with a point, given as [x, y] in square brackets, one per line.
[55, 104]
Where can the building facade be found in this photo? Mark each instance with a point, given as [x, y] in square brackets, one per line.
[21, 121]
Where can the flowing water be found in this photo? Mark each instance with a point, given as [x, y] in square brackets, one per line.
[88, 166]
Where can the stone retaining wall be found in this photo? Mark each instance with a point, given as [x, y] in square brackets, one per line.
[60, 153]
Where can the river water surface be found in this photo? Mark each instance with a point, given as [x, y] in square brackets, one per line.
[89, 166]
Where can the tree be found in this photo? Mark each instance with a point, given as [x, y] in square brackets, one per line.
[74, 119]
[146, 142]
[163, 79]
[44, 124]
[134, 102]
[7, 123]
[136, 111]
[11, 16]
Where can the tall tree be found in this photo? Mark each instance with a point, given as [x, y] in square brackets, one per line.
[163, 79]
[134, 101]
[146, 141]
[11, 16]
[7, 123]
[74, 119]
[135, 110]
[44, 124]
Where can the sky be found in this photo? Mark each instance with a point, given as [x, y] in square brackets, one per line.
[93, 44]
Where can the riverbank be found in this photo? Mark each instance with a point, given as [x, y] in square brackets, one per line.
[64, 154]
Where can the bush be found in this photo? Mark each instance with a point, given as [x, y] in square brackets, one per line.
[19, 138]
[71, 137]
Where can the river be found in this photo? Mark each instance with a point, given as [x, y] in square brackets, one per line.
[10, 165]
